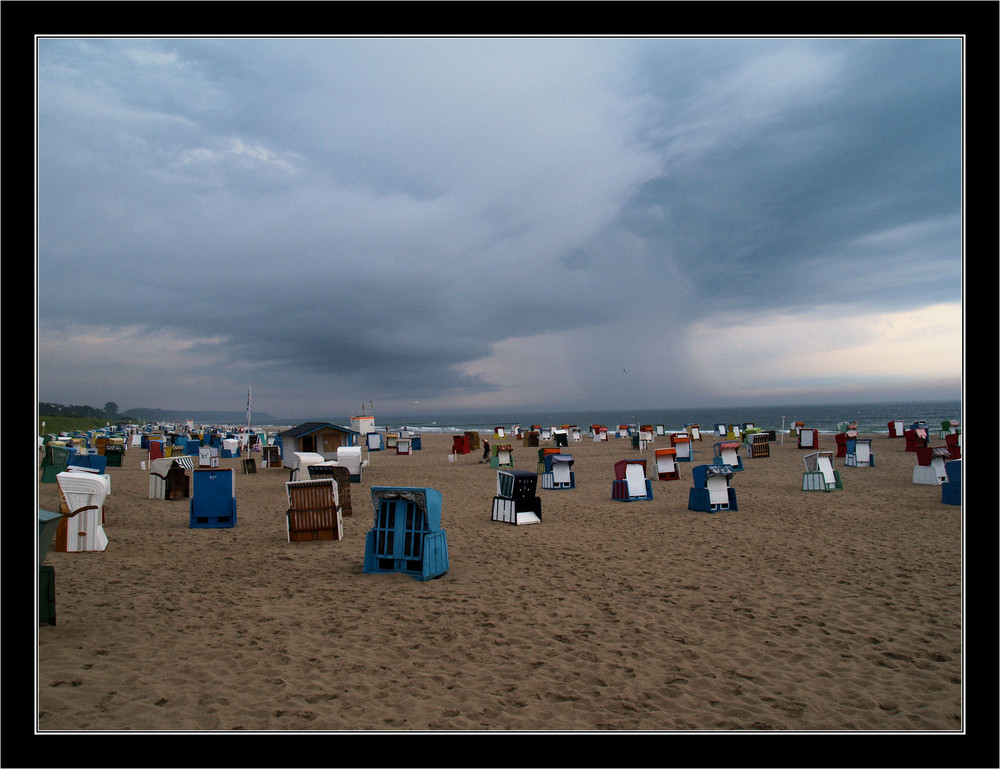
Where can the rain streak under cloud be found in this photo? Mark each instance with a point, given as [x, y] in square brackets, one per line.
[498, 223]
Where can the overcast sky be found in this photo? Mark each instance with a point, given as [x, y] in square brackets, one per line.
[497, 223]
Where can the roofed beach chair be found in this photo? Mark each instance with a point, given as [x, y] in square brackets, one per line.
[896, 428]
[114, 453]
[460, 444]
[720, 430]
[954, 443]
[350, 457]
[404, 444]
[916, 438]
[930, 468]
[951, 489]
[666, 465]
[313, 510]
[820, 474]
[82, 527]
[499, 432]
[501, 455]
[49, 524]
[711, 491]
[169, 479]
[271, 455]
[406, 536]
[728, 453]
[342, 476]
[299, 463]
[90, 460]
[859, 453]
[693, 430]
[631, 483]
[213, 498]
[808, 439]
[757, 443]
[56, 460]
[208, 456]
[558, 471]
[682, 443]
[515, 501]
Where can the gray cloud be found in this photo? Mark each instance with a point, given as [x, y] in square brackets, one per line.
[341, 219]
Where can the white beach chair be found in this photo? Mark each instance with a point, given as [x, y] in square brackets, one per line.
[84, 495]
[820, 474]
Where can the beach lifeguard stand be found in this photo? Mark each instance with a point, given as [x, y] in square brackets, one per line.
[406, 536]
[631, 483]
[501, 455]
[711, 492]
[558, 471]
[681, 442]
[930, 468]
[313, 510]
[515, 501]
[728, 453]
[213, 498]
[951, 489]
[859, 452]
[82, 497]
[666, 465]
[820, 474]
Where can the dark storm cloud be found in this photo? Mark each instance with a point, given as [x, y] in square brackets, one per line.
[396, 216]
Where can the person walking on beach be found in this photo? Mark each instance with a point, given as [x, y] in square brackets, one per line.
[486, 452]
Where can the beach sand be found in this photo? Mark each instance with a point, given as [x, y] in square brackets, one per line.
[802, 610]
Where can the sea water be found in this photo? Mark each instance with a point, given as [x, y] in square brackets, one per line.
[871, 418]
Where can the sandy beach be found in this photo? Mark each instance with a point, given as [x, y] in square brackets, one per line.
[815, 611]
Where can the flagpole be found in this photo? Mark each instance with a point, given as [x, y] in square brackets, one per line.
[248, 406]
